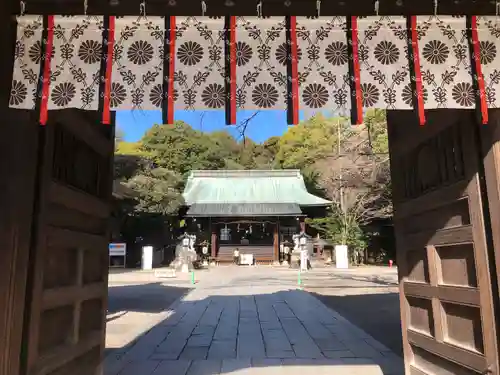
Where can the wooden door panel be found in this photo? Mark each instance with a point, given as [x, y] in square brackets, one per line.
[446, 295]
[67, 316]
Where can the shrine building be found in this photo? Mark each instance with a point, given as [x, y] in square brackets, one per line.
[249, 210]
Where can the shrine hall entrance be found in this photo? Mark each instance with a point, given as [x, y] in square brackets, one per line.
[55, 193]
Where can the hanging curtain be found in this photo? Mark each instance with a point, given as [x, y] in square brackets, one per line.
[383, 57]
[261, 63]
[138, 55]
[27, 58]
[199, 61]
[323, 68]
[445, 62]
[76, 62]
[338, 64]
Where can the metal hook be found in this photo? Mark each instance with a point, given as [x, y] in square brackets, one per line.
[259, 9]
[142, 8]
[203, 7]
[435, 8]
[318, 7]
[22, 6]
[377, 6]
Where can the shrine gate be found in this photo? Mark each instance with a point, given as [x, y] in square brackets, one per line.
[434, 66]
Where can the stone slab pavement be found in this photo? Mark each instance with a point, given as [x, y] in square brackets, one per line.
[252, 320]
[368, 296]
[138, 301]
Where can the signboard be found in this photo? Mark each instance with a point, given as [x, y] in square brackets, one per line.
[303, 260]
[117, 254]
[117, 249]
[246, 259]
[341, 257]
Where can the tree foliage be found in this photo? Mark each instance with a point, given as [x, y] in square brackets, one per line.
[159, 191]
[180, 148]
[356, 178]
[312, 140]
[340, 227]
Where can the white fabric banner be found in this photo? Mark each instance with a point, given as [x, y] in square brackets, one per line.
[323, 64]
[488, 30]
[199, 63]
[75, 67]
[261, 55]
[445, 62]
[137, 77]
[27, 57]
[383, 60]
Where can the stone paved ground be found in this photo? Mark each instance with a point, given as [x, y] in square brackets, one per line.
[367, 296]
[136, 303]
[251, 320]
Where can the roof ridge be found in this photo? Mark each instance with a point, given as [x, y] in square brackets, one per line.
[246, 173]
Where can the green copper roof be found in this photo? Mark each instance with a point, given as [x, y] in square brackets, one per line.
[249, 186]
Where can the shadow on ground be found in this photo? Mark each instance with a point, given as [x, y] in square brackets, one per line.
[149, 298]
[226, 333]
[377, 314]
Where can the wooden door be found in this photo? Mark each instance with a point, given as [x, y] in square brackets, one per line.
[18, 147]
[69, 263]
[443, 256]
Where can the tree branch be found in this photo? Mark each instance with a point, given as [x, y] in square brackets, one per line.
[243, 125]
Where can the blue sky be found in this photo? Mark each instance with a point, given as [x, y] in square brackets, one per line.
[266, 124]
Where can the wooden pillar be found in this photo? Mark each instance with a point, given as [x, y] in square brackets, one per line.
[18, 144]
[213, 241]
[18, 150]
[276, 242]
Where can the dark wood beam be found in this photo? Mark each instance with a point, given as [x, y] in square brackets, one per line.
[249, 7]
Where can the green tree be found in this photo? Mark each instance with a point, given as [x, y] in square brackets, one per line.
[272, 146]
[159, 191]
[130, 148]
[229, 149]
[180, 148]
[342, 228]
[303, 145]
[119, 136]
[376, 124]
[130, 158]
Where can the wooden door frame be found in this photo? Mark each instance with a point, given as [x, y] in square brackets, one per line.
[485, 266]
[50, 191]
[17, 193]
[17, 204]
[490, 148]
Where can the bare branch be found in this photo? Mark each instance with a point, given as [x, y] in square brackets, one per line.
[364, 179]
[243, 125]
[201, 119]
